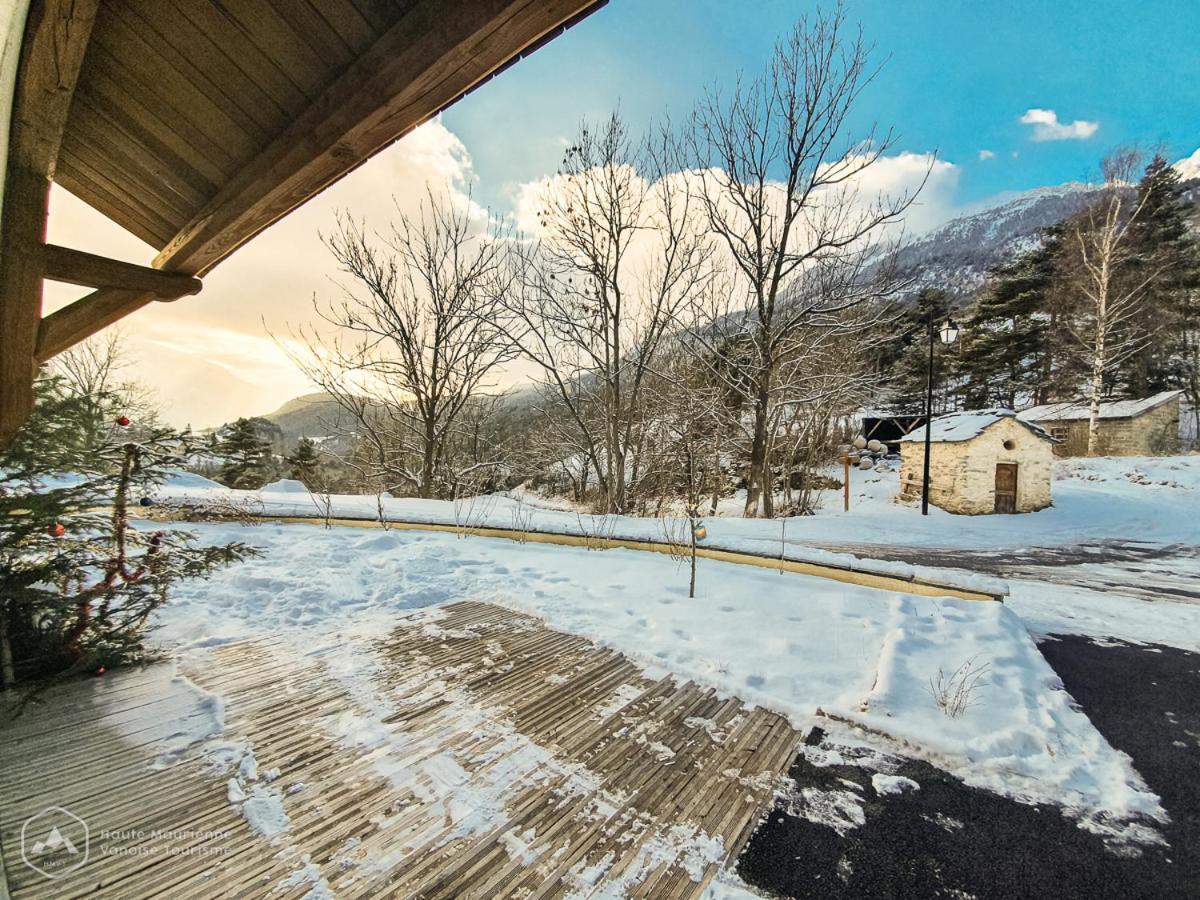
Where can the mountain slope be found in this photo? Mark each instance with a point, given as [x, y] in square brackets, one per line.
[957, 256]
[316, 416]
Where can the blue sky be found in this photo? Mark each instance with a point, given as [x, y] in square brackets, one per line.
[957, 77]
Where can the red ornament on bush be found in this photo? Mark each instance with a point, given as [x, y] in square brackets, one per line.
[122, 421]
[57, 529]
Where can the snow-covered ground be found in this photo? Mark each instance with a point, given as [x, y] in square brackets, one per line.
[1148, 502]
[861, 662]
[807, 647]
[1107, 498]
[527, 513]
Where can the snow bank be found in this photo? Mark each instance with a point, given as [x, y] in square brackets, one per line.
[795, 644]
[180, 479]
[1019, 734]
[285, 486]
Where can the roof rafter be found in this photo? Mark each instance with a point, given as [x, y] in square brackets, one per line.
[428, 59]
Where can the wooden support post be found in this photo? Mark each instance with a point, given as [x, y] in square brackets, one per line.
[845, 482]
[56, 37]
[89, 270]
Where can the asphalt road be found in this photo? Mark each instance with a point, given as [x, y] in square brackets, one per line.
[949, 840]
[1139, 569]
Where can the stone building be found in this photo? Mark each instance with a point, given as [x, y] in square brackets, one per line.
[1146, 427]
[981, 461]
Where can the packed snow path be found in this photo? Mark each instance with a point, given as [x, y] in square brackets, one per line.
[472, 753]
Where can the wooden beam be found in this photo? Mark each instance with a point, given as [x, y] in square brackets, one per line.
[89, 270]
[68, 326]
[56, 37]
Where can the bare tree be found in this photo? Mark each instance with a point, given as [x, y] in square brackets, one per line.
[778, 175]
[1112, 293]
[828, 383]
[688, 419]
[95, 371]
[618, 256]
[415, 346]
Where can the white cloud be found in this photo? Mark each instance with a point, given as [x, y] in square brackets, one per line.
[1046, 126]
[209, 356]
[986, 154]
[889, 176]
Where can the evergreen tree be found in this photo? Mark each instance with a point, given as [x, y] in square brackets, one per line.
[247, 456]
[1167, 252]
[905, 359]
[78, 586]
[1007, 356]
[303, 463]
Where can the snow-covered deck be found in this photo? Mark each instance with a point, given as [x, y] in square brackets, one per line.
[507, 759]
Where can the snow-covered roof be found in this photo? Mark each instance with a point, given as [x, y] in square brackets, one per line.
[963, 426]
[1073, 410]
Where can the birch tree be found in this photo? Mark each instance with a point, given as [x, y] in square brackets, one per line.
[777, 172]
[1111, 291]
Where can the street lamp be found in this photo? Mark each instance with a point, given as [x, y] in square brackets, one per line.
[949, 334]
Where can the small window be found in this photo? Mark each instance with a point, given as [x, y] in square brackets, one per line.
[1010, 444]
[1059, 432]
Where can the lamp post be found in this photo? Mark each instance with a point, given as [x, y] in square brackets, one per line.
[948, 334]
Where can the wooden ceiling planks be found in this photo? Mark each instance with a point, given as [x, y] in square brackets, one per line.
[207, 59]
[198, 123]
[239, 52]
[424, 62]
[347, 20]
[141, 113]
[90, 186]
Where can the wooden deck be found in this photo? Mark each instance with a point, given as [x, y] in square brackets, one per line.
[485, 756]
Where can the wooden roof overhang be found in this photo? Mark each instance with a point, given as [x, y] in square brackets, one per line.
[195, 124]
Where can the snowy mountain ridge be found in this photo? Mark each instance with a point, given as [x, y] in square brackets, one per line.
[1189, 166]
[956, 257]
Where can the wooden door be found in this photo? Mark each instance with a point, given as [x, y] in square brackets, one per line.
[1006, 487]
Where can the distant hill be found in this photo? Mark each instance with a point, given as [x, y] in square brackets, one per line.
[317, 416]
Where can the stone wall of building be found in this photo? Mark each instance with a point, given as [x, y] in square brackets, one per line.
[1153, 433]
[962, 477]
